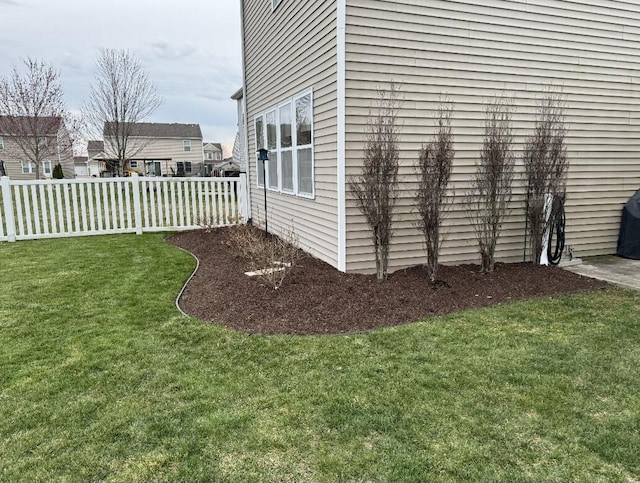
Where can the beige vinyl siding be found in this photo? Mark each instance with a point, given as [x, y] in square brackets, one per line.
[162, 149]
[287, 52]
[472, 50]
[12, 156]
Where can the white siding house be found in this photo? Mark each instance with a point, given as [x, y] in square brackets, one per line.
[160, 149]
[342, 51]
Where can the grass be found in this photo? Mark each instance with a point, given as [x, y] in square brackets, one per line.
[102, 379]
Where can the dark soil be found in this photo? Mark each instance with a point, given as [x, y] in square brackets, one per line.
[318, 299]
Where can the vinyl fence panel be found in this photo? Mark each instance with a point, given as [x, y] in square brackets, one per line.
[83, 207]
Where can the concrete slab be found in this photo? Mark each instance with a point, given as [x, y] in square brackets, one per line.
[610, 268]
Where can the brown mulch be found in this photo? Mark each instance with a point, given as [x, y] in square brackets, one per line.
[318, 299]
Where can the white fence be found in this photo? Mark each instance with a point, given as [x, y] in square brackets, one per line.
[81, 207]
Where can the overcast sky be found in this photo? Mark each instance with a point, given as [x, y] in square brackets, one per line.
[190, 48]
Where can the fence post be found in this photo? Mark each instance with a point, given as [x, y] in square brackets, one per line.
[244, 198]
[7, 201]
[137, 212]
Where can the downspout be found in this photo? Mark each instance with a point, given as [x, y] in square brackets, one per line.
[245, 113]
[341, 135]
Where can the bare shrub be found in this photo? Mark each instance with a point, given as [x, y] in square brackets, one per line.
[272, 257]
[376, 188]
[545, 167]
[487, 203]
[434, 171]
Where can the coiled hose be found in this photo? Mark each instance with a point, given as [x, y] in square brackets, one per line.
[557, 226]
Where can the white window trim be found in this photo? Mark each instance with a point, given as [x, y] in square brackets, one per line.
[291, 149]
[266, 140]
[30, 166]
[44, 170]
[186, 145]
[294, 148]
[264, 181]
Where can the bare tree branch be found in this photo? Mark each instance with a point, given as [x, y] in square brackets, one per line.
[121, 96]
[546, 165]
[376, 189]
[434, 171]
[492, 184]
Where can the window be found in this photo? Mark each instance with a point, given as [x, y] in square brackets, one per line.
[275, 3]
[218, 156]
[27, 167]
[286, 143]
[133, 164]
[259, 146]
[186, 145]
[304, 144]
[209, 155]
[1, 143]
[46, 168]
[287, 132]
[187, 166]
[272, 146]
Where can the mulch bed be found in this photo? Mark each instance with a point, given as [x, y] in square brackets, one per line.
[318, 299]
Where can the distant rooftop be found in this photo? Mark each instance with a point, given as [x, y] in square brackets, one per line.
[159, 130]
[21, 125]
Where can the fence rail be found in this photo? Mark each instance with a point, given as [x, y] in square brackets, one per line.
[82, 207]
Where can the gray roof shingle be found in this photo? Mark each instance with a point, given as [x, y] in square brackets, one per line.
[159, 130]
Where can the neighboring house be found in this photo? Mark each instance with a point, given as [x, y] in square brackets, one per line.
[80, 166]
[57, 148]
[96, 156]
[226, 167]
[158, 149]
[240, 144]
[310, 83]
[212, 152]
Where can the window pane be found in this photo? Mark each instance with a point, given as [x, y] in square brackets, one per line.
[271, 130]
[305, 171]
[287, 171]
[272, 164]
[285, 126]
[260, 173]
[259, 133]
[187, 166]
[303, 120]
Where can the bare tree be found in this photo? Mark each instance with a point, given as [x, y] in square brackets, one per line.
[376, 189]
[487, 202]
[33, 114]
[545, 167]
[121, 96]
[434, 171]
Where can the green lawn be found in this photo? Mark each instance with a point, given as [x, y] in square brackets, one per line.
[102, 379]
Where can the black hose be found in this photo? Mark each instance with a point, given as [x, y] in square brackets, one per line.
[558, 226]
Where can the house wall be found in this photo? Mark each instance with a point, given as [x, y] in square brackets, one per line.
[166, 148]
[288, 51]
[242, 161]
[12, 156]
[472, 50]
